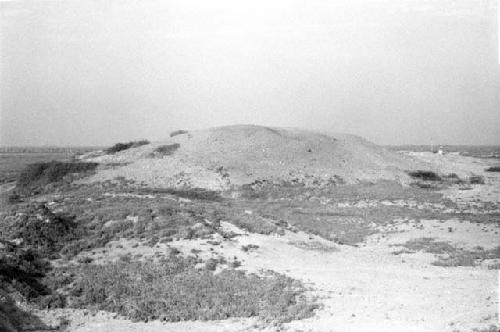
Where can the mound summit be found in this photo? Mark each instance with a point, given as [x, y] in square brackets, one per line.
[222, 157]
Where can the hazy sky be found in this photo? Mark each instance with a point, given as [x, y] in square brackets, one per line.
[96, 72]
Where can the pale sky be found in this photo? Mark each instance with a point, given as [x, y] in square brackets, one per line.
[395, 72]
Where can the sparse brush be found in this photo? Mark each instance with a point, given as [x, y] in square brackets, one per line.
[425, 175]
[493, 169]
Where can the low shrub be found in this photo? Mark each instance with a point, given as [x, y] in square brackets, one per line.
[425, 175]
[39, 174]
[173, 289]
[178, 132]
[493, 169]
[125, 146]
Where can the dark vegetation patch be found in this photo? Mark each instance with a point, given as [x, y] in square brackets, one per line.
[493, 169]
[114, 165]
[11, 164]
[173, 290]
[449, 255]
[125, 146]
[189, 193]
[431, 180]
[476, 179]
[164, 150]
[178, 132]
[314, 246]
[249, 247]
[424, 175]
[40, 174]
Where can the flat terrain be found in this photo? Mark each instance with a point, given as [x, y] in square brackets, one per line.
[392, 254]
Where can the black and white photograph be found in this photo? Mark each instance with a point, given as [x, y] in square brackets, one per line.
[249, 165]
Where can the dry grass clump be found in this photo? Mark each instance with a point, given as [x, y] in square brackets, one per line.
[125, 146]
[173, 290]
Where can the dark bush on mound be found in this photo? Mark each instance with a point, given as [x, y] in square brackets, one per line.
[125, 146]
[425, 175]
[493, 169]
[40, 174]
[178, 132]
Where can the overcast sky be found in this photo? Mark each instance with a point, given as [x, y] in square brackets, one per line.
[96, 72]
